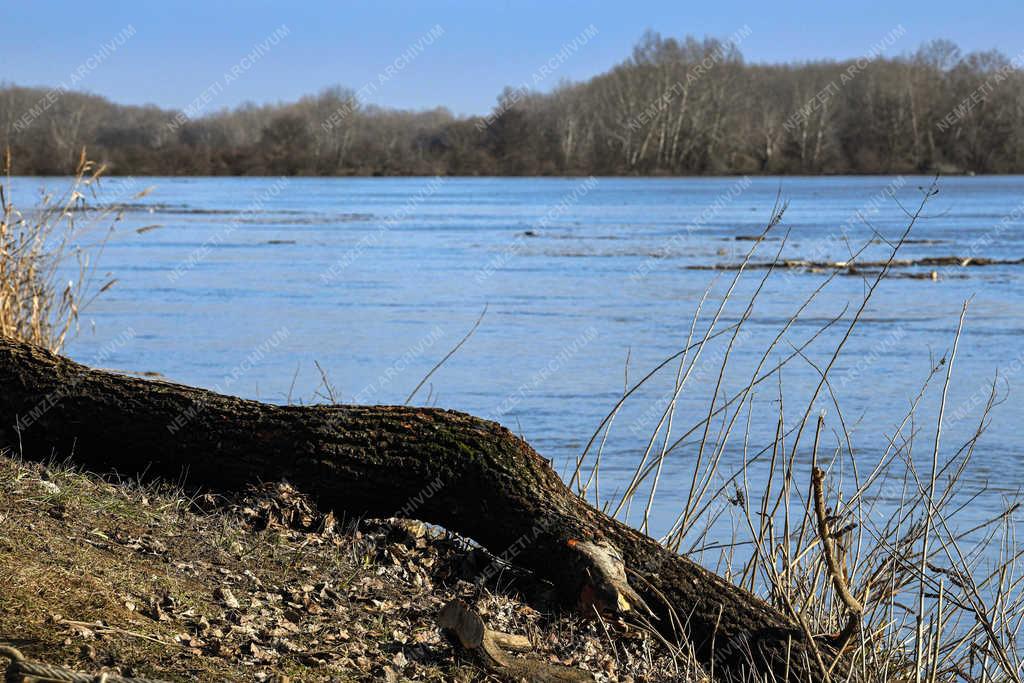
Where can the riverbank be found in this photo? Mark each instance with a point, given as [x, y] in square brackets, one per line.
[148, 582]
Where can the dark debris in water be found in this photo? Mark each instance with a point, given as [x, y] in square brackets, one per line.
[949, 264]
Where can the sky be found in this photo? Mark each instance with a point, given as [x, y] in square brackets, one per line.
[170, 53]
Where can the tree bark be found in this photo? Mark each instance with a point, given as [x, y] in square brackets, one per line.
[466, 474]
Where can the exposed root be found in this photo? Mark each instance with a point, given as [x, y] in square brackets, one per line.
[490, 648]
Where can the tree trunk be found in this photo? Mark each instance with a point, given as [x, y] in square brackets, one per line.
[468, 475]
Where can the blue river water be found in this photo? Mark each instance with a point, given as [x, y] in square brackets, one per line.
[246, 284]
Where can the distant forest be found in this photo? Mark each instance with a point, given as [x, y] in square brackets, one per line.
[674, 107]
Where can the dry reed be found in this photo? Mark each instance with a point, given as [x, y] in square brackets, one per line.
[44, 244]
[907, 599]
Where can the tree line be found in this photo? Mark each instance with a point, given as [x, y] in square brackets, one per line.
[673, 107]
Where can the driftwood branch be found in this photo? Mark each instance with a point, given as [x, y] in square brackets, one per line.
[840, 583]
[448, 468]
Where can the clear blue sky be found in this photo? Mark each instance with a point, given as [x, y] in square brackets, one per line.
[179, 48]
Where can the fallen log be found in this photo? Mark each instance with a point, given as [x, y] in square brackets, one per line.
[469, 475]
